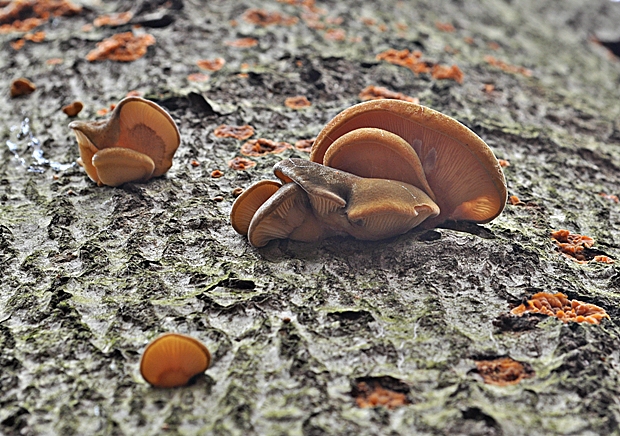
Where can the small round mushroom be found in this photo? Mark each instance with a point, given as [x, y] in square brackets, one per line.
[246, 205]
[116, 166]
[136, 124]
[365, 208]
[462, 171]
[173, 359]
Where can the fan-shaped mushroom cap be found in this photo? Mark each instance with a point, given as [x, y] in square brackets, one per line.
[136, 124]
[379, 154]
[246, 205]
[116, 166]
[286, 214]
[173, 359]
[461, 169]
[364, 208]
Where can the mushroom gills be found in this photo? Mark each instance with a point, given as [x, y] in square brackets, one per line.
[286, 213]
[116, 166]
[246, 205]
[378, 154]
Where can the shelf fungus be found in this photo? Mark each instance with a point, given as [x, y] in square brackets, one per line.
[135, 144]
[561, 307]
[377, 170]
[173, 359]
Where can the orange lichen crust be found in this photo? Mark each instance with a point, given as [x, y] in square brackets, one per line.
[117, 19]
[241, 163]
[379, 92]
[297, 102]
[503, 371]
[375, 395]
[72, 109]
[413, 61]
[561, 307]
[264, 18]
[514, 69]
[122, 47]
[211, 64]
[25, 15]
[305, 145]
[22, 86]
[242, 42]
[514, 200]
[237, 132]
[576, 247]
[262, 146]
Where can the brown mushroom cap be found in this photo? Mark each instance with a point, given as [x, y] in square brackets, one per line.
[378, 154]
[246, 205]
[286, 214]
[364, 208]
[116, 166]
[461, 169]
[137, 124]
[173, 359]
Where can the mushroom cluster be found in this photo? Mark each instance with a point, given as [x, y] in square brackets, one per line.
[377, 170]
[135, 144]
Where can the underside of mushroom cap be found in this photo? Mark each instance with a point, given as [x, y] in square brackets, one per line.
[246, 205]
[461, 169]
[379, 154]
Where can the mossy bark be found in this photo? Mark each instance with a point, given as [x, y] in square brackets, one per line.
[91, 274]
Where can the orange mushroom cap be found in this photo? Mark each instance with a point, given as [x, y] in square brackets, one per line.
[135, 124]
[173, 359]
[461, 169]
[246, 205]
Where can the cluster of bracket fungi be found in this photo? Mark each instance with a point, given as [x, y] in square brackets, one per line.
[377, 170]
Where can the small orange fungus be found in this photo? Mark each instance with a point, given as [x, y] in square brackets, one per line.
[264, 18]
[242, 42]
[575, 246]
[117, 19]
[211, 64]
[561, 307]
[488, 88]
[237, 192]
[22, 86]
[198, 77]
[122, 47]
[514, 69]
[18, 44]
[237, 132]
[375, 395]
[335, 34]
[444, 27]
[514, 200]
[25, 15]
[297, 102]
[379, 92]
[241, 163]
[503, 163]
[262, 146]
[173, 359]
[216, 174]
[72, 109]
[610, 197]
[305, 145]
[442, 72]
[503, 371]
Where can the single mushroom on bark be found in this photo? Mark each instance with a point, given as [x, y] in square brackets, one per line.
[135, 144]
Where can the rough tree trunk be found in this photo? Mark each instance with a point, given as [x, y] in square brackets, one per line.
[91, 274]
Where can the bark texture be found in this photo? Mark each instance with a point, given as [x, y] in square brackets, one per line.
[91, 274]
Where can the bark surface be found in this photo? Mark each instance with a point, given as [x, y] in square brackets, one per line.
[297, 331]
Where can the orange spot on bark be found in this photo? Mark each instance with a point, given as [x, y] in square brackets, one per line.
[122, 47]
[503, 371]
[237, 132]
[378, 92]
[559, 306]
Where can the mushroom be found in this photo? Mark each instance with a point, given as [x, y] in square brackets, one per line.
[173, 359]
[286, 214]
[365, 208]
[246, 205]
[462, 171]
[138, 142]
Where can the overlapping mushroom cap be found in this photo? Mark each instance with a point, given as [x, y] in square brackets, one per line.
[462, 171]
[135, 144]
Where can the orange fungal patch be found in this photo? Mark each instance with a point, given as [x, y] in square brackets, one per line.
[503, 371]
[574, 246]
[297, 102]
[305, 145]
[442, 72]
[211, 64]
[237, 132]
[444, 27]
[242, 42]
[413, 61]
[22, 86]
[72, 109]
[375, 395]
[514, 69]
[25, 15]
[240, 163]
[198, 77]
[262, 146]
[263, 18]
[609, 197]
[503, 163]
[122, 47]
[379, 92]
[561, 307]
[117, 19]
[514, 200]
